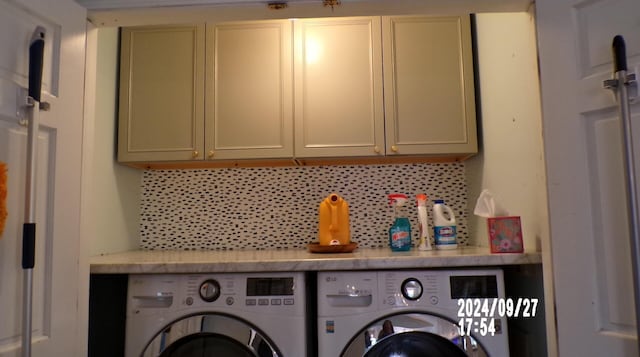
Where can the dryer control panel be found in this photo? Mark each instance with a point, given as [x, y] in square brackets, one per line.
[438, 289]
[354, 292]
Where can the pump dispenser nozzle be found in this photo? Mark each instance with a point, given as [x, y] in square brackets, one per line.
[397, 199]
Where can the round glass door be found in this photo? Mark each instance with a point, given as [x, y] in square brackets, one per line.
[210, 335]
[414, 344]
[207, 344]
[412, 334]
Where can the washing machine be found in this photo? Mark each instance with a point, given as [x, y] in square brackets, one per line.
[231, 315]
[411, 313]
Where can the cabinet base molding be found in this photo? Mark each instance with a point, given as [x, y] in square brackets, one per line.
[326, 161]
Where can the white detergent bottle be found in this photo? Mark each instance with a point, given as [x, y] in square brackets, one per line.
[444, 226]
[425, 242]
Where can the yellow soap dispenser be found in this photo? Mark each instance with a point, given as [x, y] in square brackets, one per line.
[333, 221]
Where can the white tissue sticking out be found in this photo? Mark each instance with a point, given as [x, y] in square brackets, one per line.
[486, 206]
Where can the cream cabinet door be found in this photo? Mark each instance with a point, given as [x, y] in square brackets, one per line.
[338, 87]
[249, 90]
[161, 115]
[429, 87]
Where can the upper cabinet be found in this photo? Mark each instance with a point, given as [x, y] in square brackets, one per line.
[304, 88]
[338, 87]
[248, 111]
[161, 114]
[429, 87]
[249, 95]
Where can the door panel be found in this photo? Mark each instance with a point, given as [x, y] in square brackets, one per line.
[589, 235]
[595, 31]
[614, 301]
[13, 144]
[338, 98]
[250, 90]
[429, 96]
[161, 114]
[16, 27]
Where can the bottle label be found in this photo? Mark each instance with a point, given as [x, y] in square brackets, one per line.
[400, 238]
[399, 235]
[445, 235]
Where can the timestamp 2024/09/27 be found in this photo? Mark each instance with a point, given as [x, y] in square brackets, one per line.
[478, 316]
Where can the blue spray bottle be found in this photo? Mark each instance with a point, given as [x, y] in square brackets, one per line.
[400, 231]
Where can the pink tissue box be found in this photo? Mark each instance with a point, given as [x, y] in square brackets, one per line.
[505, 234]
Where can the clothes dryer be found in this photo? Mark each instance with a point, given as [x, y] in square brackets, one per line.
[231, 315]
[410, 313]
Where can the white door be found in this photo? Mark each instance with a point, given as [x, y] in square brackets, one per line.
[57, 278]
[589, 236]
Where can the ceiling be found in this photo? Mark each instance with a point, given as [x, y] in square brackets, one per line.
[110, 13]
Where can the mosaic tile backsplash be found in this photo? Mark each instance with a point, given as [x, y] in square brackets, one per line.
[277, 208]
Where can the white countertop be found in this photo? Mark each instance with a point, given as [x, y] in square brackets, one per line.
[202, 261]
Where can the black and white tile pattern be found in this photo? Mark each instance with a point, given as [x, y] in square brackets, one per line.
[277, 208]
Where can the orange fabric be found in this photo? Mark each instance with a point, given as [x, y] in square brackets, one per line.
[3, 196]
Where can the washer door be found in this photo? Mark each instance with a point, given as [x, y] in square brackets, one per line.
[210, 335]
[412, 334]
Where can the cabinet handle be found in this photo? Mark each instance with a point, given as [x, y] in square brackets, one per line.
[394, 148]
[195, 154]
[376, 149]
[211, 153]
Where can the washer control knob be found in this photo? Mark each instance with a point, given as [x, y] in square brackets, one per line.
[411, 289]
[210, 290]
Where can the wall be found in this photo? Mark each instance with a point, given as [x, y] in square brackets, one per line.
[510, 164]
[267, 208]
[114, 190]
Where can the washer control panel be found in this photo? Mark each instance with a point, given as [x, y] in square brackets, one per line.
[259, 292]
[245, 291]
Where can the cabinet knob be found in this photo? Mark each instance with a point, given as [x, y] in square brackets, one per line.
[195, 154]
[376, 149]
[394, 148]
[210, 153]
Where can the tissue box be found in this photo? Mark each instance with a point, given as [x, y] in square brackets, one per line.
[505, 234]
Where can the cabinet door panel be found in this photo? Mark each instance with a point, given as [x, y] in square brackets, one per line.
[429, 90]
[161, 93]
[338, 81]
[249, 106]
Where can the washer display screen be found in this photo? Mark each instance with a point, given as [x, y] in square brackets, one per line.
[474, 286]
[269, 286]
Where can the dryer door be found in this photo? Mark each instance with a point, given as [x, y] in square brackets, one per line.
[210, 335]
[412, 334]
